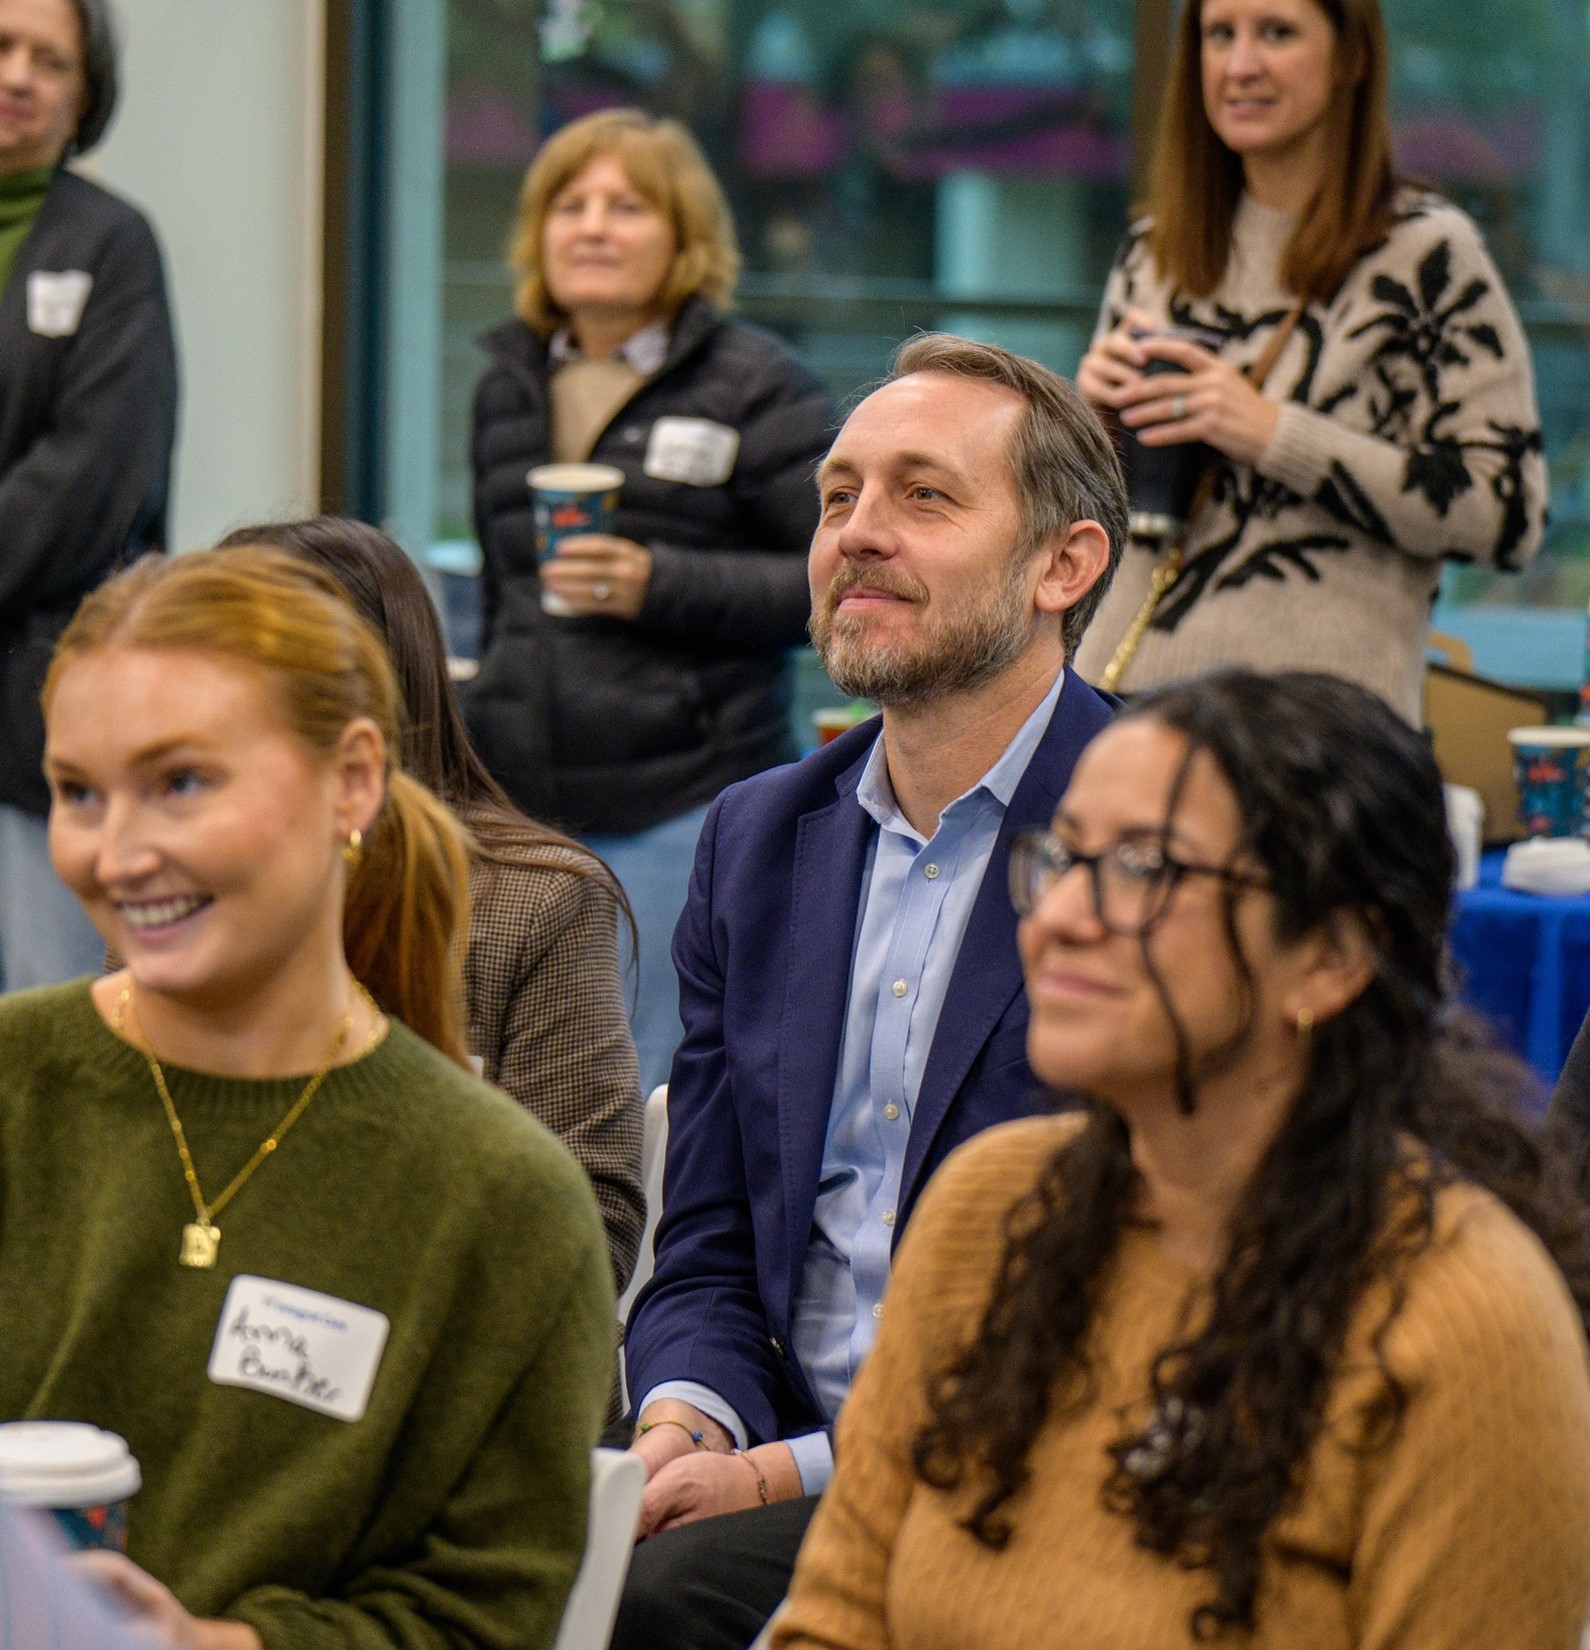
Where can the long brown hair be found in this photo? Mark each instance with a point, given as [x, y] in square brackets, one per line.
[1343, 811]
[388, 593]
[665, 165]
[407, 908]
[1197, 181]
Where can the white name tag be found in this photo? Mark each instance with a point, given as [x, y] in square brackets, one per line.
[298, 1344]
[693, 450]
[56, 300]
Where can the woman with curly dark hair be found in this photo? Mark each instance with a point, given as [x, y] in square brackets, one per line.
[1281, 1340]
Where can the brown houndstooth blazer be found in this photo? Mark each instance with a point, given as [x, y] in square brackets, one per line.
[547, 1018]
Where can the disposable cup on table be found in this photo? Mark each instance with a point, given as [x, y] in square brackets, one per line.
[570, 499]
[1549, 769]
[82, 1474]
[830, 721]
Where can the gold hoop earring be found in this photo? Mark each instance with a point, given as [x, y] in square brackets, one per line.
[353, 849]
[1303, 1025]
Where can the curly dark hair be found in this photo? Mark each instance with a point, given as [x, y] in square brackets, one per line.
[1342, 809]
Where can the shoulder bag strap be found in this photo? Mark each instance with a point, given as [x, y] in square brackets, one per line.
[1170, 566]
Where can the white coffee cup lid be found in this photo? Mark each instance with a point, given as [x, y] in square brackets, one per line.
[1555, 738]
[577, 478]
[64, 1464]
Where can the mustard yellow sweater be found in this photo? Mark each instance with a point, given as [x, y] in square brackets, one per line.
[1471, 1529]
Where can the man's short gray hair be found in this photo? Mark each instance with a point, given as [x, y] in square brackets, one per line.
[1064, 462]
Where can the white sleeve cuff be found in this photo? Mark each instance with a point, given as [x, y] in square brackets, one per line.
[704, 1399]
[814, 1460]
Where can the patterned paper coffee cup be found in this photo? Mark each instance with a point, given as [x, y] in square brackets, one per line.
[571, 499]
[1549, 769]
[82, 1474]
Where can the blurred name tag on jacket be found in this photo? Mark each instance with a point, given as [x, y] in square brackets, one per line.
[695, 451]
[56, 299]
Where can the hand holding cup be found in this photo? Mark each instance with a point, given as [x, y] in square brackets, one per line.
[584, 569]
[1195, 396]
[598, 574]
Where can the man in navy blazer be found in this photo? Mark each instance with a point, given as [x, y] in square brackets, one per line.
[849, 983]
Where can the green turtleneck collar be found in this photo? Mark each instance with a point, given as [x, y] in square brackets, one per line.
[22, 193]
[21, 196]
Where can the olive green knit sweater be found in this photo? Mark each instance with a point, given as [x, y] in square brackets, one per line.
[453, 1512]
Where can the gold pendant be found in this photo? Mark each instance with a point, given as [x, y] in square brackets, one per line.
[200, 1242]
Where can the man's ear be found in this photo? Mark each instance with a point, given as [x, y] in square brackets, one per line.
[1072, 562]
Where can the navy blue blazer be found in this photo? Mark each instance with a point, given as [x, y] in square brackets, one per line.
[763, 951]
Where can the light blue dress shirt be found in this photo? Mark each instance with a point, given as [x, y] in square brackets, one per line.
[916, 899]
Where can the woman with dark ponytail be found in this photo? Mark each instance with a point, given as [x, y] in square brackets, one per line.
[350, 1308]
[542, 992]
[1281, 1340]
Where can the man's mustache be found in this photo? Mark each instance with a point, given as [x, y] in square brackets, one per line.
[881, 580]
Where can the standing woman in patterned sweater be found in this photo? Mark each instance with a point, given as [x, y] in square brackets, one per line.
[1393, 424]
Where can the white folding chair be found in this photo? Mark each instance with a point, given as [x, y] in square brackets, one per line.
[617, 1481]
[653, 1150]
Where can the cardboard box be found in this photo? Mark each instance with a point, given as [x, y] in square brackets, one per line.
[1468, 717]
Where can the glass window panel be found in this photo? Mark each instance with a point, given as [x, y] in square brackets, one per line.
[1491, 100]
[966, 164]
[952, 163]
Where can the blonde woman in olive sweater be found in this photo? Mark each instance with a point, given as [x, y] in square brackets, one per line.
[351, 1308]
[1281, 1341]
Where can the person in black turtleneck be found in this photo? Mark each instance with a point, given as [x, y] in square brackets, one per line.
[88, 404]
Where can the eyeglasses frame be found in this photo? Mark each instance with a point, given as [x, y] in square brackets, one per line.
[1045, 844]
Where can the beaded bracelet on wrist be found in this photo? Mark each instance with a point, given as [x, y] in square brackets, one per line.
[699, 1439]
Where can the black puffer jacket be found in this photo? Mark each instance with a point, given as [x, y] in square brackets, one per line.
[611, 725]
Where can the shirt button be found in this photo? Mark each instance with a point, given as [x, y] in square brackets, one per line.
[888, 1217]
[930, 871]
[877, 1311]
[900, 988]
[891, 1111]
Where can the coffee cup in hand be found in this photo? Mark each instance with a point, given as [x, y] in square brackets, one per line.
[82, 1474]
[1161, 481]
[570, 499]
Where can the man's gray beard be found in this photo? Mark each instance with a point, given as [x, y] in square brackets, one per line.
[957, 654]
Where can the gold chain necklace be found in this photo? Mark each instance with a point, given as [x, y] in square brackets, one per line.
[201, 1238]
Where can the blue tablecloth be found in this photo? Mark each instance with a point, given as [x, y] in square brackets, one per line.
[1525, 959]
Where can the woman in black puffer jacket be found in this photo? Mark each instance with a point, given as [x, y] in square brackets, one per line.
[670, 680]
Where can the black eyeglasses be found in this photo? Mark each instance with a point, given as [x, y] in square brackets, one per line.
[1132, 880]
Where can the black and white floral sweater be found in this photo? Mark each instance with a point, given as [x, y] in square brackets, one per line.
[1408, 435]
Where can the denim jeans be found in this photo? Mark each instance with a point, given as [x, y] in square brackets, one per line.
[654, 868]
[44, 936]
